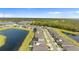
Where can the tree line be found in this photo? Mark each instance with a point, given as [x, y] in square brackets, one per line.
[67, 24]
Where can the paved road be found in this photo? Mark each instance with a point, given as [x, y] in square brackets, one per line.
[67, 45]
[41, 44]
[51, 42]
[45, 41]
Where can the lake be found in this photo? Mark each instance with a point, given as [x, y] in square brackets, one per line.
[75, 37]
[14, 39]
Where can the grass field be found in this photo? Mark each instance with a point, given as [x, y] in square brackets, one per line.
[2, 40]
[27, 40]
[59, 31]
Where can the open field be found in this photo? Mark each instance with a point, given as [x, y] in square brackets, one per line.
[2, 40]
[26, 42]
[59, 31]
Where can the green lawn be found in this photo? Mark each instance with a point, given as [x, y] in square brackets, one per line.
[2, 40]
[27, 40]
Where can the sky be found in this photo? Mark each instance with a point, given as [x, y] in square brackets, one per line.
[39, 12]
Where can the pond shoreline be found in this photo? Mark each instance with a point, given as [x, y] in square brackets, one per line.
[15, 35]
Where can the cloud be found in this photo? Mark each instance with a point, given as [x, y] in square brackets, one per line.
[1, 15]
[54, 12]
[5, 15]
[77, 12]
[64, 14]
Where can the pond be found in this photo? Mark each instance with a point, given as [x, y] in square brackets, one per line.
[14, 39]
[75, 37]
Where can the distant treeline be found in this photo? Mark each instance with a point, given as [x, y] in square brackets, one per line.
[15, 19]
[24, 19]
[68, 24]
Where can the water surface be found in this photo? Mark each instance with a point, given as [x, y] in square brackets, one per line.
[14, 39]
[75, 37]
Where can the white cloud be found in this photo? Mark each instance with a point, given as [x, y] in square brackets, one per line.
[5, 15]
[77, 12]
[54, 12]
[72, 12]
[1, 15]
[67, 12]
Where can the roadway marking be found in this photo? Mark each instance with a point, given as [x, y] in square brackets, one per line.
[68, 45]
[50, 41]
